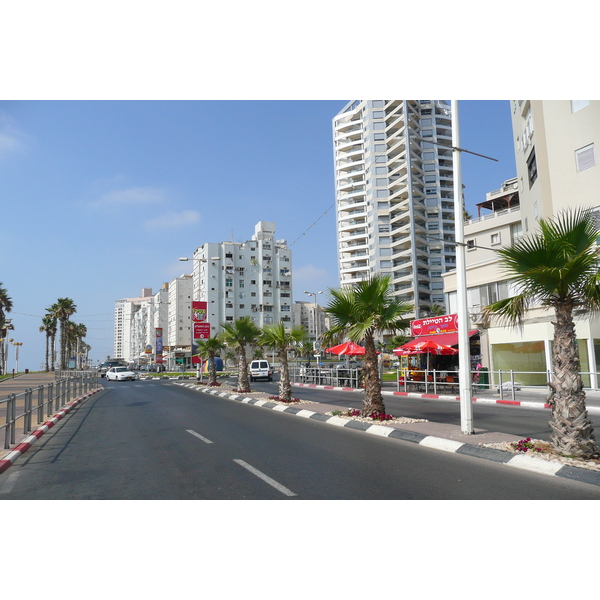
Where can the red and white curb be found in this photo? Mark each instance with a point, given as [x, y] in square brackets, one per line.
[21, 448]
[522, 403]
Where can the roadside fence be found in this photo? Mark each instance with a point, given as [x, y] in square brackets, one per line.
[19, 410]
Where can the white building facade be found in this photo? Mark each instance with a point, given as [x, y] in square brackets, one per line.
[556, 145]
[239, 279]
[394, 196]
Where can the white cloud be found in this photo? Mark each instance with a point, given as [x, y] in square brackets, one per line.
[10, 138]
[136, 196]
[173, 220]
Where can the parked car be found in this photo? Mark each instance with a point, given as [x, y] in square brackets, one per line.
[261, 369]
[120, 374]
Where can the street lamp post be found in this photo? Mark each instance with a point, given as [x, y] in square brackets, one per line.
[317, 316]
[17, 345]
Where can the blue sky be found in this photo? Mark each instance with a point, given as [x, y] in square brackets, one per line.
[103, 197]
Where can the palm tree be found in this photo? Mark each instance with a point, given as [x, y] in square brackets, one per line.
[362, 311]
[6, 305]
[238, 335]
[209, 349]
[62, 309]
[282, 340]
[558, 268]
[48, 327]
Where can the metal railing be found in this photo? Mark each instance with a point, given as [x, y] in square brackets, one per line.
[338, 377]
[21, 409]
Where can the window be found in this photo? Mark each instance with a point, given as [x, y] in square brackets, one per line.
[578, 105]
[377, 103]
[378, 114]
[427, 133]
[532, 168]
[585, 158]
[471, 244]
[495, 238]
[229, 282]
[381, 170]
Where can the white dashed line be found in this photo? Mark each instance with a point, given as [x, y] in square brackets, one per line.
[265, 478]
[206, 441]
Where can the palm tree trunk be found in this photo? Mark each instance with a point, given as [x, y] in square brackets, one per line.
[47, 352]
[572, 431]
[373, 401]
[243, 383]
[285, 387]
[212, 367]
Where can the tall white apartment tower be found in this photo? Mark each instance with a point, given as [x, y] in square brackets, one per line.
[239, 279]
[394, 196]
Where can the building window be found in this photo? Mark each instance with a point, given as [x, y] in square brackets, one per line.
[585, 158]
[495, 238]
[578, 105]
[471, 244]
[532, 168]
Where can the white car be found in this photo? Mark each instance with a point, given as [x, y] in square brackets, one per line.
[260, 369]
[120, 374]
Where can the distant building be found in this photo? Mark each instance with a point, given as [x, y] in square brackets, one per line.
[124, 312]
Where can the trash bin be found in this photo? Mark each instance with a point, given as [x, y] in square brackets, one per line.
[484, 378]
[26, 371]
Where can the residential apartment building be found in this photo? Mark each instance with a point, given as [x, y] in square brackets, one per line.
[312, 318]
[125, 310]
[252, 278]
[557, 169]
[394, 196]
[178, 337]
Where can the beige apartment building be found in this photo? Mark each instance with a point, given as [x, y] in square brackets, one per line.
[556, 146]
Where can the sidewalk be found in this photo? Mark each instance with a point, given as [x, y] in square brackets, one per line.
[22, 382]
[18, 385]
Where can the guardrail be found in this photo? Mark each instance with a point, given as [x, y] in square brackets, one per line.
[42, 399]
[341, 377]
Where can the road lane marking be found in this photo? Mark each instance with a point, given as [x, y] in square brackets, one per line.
[281, 488]
[205, 440]
[9, 483]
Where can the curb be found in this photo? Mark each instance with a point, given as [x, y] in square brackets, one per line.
[518, 461]
[21, 448]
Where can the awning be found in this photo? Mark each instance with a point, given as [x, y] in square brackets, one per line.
[447, 339]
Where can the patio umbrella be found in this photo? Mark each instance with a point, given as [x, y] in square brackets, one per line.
[347, 349]
[428, 347]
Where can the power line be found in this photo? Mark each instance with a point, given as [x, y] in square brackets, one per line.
[304, 234]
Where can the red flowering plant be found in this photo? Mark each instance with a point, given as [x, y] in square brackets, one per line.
[525, 445]
[290, 401]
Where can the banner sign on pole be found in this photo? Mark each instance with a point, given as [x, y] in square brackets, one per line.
[159, 345]
[200, 327]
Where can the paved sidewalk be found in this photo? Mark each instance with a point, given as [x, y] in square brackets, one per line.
[22, 382]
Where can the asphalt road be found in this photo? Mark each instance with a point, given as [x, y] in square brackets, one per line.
[157, 440]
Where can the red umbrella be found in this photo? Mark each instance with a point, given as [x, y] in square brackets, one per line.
[429, 347]
[347, 348]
